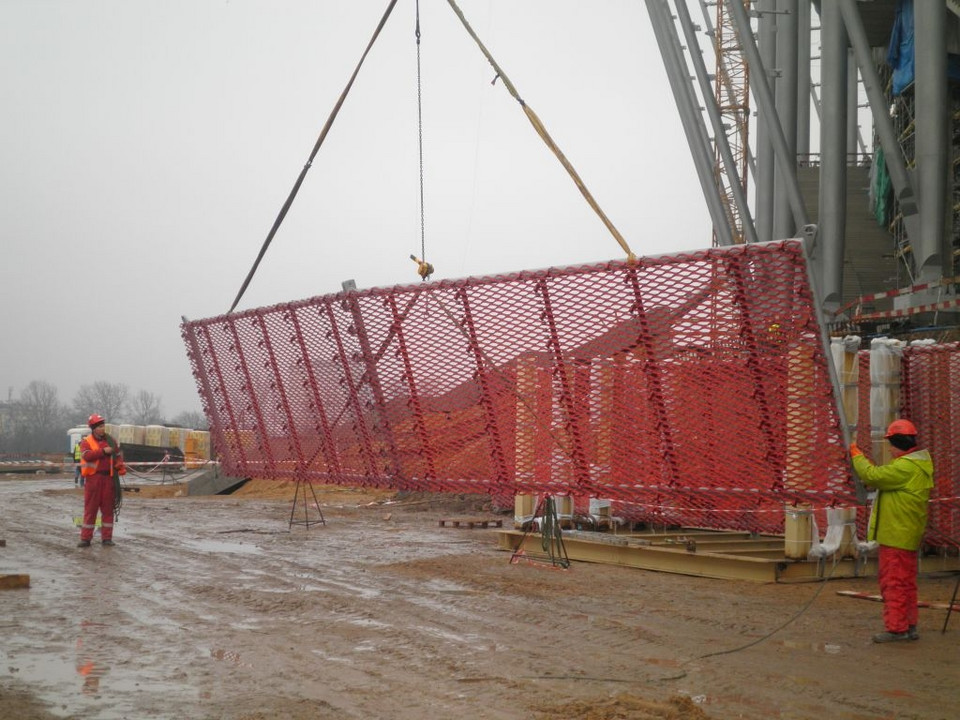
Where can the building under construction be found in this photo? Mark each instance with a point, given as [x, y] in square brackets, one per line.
[839, 114]
[696, 390]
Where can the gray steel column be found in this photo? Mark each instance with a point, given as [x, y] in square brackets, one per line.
[803, 79]
[766, 158]
[767, 112]
[716, 120]
[852, 100]
[893, 154]
[832, 219]
[690, 118]
[785, 97]
[933, 250]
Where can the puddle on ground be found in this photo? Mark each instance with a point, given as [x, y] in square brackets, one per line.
[223, 547]
[828, 648]
[85, 678]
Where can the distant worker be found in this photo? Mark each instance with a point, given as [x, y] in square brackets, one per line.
[897, 522]
[77, 475]
[101, 469]
[424, 269]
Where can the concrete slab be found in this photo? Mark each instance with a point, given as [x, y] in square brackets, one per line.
[210, 481]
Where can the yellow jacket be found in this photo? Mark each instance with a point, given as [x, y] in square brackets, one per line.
[899, 515]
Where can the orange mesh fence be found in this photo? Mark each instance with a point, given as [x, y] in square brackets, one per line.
[690, 389]
[928, 375]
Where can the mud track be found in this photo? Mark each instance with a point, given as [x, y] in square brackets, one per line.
[212, 608]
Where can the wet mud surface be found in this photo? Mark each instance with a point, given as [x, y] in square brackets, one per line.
[214, 608]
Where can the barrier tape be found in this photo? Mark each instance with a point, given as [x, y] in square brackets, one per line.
[895, 293]
[904, 312]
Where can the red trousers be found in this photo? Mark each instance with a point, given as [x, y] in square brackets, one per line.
[97, 496]
[898, 586]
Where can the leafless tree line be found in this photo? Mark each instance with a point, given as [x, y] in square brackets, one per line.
[37, 421]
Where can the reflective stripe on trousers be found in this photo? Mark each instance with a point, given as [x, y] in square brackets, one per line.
[97, 497]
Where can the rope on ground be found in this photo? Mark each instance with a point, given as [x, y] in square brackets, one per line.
[762, 638]
[316, 149]
[542, 131]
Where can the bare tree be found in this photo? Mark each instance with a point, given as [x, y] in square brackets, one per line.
[107, 399]
[145, 409]
[190, 419]
[40, 418]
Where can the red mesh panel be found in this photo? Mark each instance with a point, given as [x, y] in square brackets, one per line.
[929, 373]
[690, 388]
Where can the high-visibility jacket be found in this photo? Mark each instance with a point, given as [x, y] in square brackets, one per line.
[96, 461]
[899, 515]
[77, 455]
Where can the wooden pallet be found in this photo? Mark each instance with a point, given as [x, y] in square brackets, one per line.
[471, 522]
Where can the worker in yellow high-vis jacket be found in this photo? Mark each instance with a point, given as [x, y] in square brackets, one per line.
[897, 522]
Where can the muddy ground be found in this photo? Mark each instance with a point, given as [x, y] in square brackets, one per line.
[214, 608]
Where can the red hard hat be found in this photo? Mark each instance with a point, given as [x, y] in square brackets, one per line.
[95, 420]
[901, 427]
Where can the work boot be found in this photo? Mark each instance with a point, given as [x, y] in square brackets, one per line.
[912, 632]
[887, 636]
[83, 543]
[108, 543]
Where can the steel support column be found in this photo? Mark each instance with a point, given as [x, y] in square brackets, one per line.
[853, 129]
[784, 224]
[803, 78]
[829, 249]
[893, 154]
[734, 181]
[786, 160]
[766, 158]
[690, 117]
[932, 248]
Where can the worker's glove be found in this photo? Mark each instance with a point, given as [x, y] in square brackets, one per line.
[854, 450]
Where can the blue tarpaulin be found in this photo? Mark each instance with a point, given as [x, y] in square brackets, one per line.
[900, 51]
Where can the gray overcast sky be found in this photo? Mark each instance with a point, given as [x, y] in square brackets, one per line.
[148, 145]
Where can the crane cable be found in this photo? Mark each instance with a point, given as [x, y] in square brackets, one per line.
[316, 149]
[542, 131]
[424, 269]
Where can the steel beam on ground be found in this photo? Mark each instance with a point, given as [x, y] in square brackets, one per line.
[620, 550]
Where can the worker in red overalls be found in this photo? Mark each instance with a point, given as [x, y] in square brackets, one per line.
[102, 464]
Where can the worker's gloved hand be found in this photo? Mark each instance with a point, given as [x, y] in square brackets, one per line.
[854, 450]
